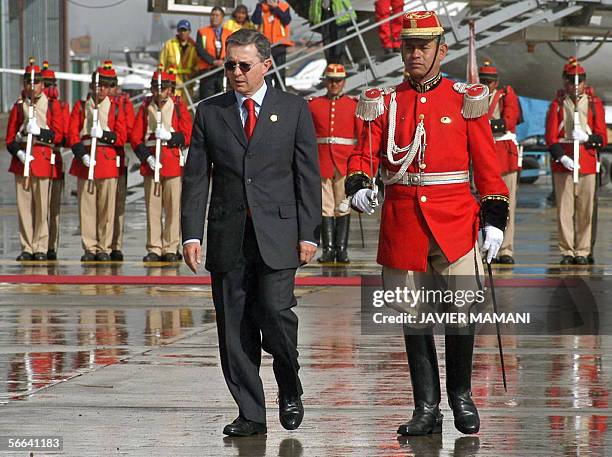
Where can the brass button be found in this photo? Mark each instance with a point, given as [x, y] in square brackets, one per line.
[423, 99]
[423, 199]
[423, 166]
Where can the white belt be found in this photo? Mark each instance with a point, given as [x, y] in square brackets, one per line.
[87, 142]
[151, 143]
[429, 179]
[337, 140]
[505, 136]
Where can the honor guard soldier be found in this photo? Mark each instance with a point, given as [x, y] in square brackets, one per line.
[575, 192]
[504, 115]
[96, 163]
[337, 129]
[125, 104]
[35, 126]
[424, 133]
[162, 128]
[57, 183]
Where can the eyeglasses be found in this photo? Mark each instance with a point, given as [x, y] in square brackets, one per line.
[245, 67]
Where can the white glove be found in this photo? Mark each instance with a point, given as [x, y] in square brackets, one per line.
[96, 131]
[362, 200]
[493, 241]
[32, 127]
[580, 135]
[151, 163]
[87, 160]
[22, 156]
[567, 162]
[162, 134]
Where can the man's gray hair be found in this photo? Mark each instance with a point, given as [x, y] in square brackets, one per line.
[244, 37]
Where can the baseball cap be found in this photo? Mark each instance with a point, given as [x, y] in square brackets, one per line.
[183, 24]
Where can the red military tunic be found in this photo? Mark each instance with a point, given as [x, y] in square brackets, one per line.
[449, 212]
[106, 154]
[41, 166]
[555, 130]
[52, 93]
[504, 104]
[144, 133]
[335, 122]
[130, 117]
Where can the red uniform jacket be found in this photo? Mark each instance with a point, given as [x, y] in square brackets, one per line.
[130, 117]
[510, 112]
[106, 153]
[41, 147]
[449, 213]
[335, 119]
[171, 152]
[555, 133]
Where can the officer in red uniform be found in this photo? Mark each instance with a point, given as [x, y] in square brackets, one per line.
[163, 237]
[425, 133]
[57, 183]
[46, 128]
[504, 115]
[123, 100]
[97, 209]
[337, 129]
[575, 201]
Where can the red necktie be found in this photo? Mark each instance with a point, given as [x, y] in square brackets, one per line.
[251, 120]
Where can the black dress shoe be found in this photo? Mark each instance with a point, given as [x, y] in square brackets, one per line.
[466, 415]
[88, 257]
[243, 427]
[151, 257]
[581, 260]
[170, 257]
[40, 256]
[103, 257]
[116, 256]
[51, 255]
[567, 260]
[506, 259]
[591, 259]
[24, 256]
[179, 255]
[290, 412]
[426, 420]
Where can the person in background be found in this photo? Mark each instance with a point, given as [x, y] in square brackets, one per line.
[180, 52]
[57, 181]
[389, 32]
[46, 128]
[163, 209]
[321, 10]
[272, 18]
[210, 44]
[239, 20]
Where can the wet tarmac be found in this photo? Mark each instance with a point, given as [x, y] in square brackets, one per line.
[123, 369]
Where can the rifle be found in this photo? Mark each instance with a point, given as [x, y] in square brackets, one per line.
[94, 140]
[158, 145]
[30, 140]
[576, 124]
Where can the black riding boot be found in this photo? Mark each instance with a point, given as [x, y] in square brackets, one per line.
[425, 379]
[343, 224]
[459, 350]
[327, 240]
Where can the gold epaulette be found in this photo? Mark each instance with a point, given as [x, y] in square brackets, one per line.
[494, 197]
[475, 99]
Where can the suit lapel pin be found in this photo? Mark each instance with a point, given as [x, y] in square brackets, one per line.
[273, 117]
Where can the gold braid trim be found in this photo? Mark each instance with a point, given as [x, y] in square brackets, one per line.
[358, 173]
[495, 197]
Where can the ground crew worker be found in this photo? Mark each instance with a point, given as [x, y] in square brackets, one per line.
[210, 44]
[180, 52]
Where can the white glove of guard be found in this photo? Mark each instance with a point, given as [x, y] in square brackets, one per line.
[493, 241]
[163, 134]
[32, 127]
[580, 135]
[151, 163]
[362, 200]
[22, 156]
[567, 162]
[96, 131]
[87, 160]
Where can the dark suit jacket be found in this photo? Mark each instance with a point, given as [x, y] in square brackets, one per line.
[276, 175]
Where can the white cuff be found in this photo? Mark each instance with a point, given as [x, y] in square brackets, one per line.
[191, 240]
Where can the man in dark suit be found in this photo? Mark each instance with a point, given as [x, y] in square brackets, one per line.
[258, 146]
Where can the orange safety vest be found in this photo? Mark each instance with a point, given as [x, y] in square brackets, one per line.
[209, 38]
[272, 27]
